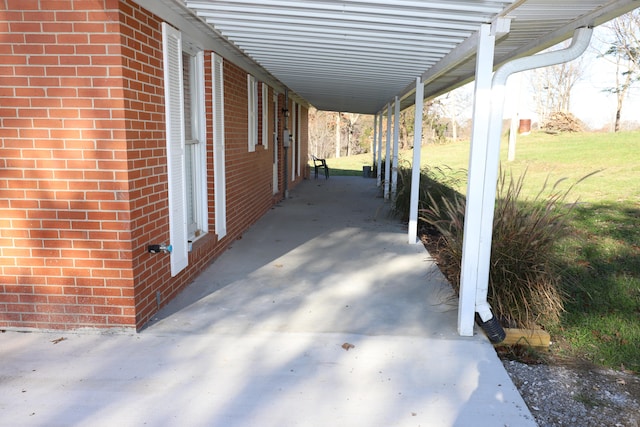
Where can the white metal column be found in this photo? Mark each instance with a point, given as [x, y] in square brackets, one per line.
[396, 137]
[483, 167]
[379, 169]
[472, 242]
[374, 142]
[415, 166]
[387, 160]
[579, 44]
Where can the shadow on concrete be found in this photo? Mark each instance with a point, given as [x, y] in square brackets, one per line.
[257, 339]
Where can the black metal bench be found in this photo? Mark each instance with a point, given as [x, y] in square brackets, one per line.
[320, 163]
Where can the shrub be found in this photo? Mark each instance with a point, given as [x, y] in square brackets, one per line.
[524, 286]
[435, 183]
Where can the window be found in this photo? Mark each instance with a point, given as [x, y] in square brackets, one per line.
[252, 111]
[186, 150]
[195, 145]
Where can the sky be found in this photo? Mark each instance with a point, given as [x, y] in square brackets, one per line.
[589, 100]
[592, 104]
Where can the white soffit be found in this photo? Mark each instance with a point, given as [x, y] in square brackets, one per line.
[356, 55]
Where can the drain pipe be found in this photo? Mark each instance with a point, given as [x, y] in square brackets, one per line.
[579, 43]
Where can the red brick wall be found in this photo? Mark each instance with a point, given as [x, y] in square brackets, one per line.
[83, 170]
[64, 224]
[248, 177]
[143, 89]
[249, 174]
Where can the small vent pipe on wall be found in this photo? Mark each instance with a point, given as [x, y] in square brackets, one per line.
[579, 43]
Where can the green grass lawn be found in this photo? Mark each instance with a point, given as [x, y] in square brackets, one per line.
[566, 157]
[348, 166]
[600, 262]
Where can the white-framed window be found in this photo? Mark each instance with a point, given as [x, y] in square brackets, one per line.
[252, 111]
[186, 148]
[195, 142]
[265, 116]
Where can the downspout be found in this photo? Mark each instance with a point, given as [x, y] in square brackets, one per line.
[579, 43]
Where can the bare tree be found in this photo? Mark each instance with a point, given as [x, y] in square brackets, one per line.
[349, 120]
[406, 127]
[321, 125]
[624, 52]
[433, 121]
[552, 86]
[453, 104]
[326, 130]
[433, 125]
[338, 133]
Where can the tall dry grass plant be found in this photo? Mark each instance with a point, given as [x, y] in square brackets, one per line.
[524, 284]
[436, 183]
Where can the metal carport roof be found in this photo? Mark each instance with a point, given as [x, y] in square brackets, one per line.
[357, 55]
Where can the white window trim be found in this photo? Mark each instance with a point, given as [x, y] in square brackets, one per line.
[265, 116]
[173, 47]
[252, 112]
[219, 173]
[175, 135]
[200, 190]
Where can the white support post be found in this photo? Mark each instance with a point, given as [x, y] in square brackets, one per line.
[375, 136]
[472, 243]
[415, 166]
[379, 169]
[396, 137]
[387, 160]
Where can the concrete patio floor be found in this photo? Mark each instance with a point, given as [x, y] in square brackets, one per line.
[321, 315]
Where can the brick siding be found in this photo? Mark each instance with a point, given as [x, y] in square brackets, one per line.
[83, 168]
[65, 233]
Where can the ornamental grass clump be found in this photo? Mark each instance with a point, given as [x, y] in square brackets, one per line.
[524, 284]
[436, 183]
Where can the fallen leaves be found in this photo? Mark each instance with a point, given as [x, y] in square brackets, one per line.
[57, 340]
[347, 346]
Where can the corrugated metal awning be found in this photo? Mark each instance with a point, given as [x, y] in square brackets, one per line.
[356, 55]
